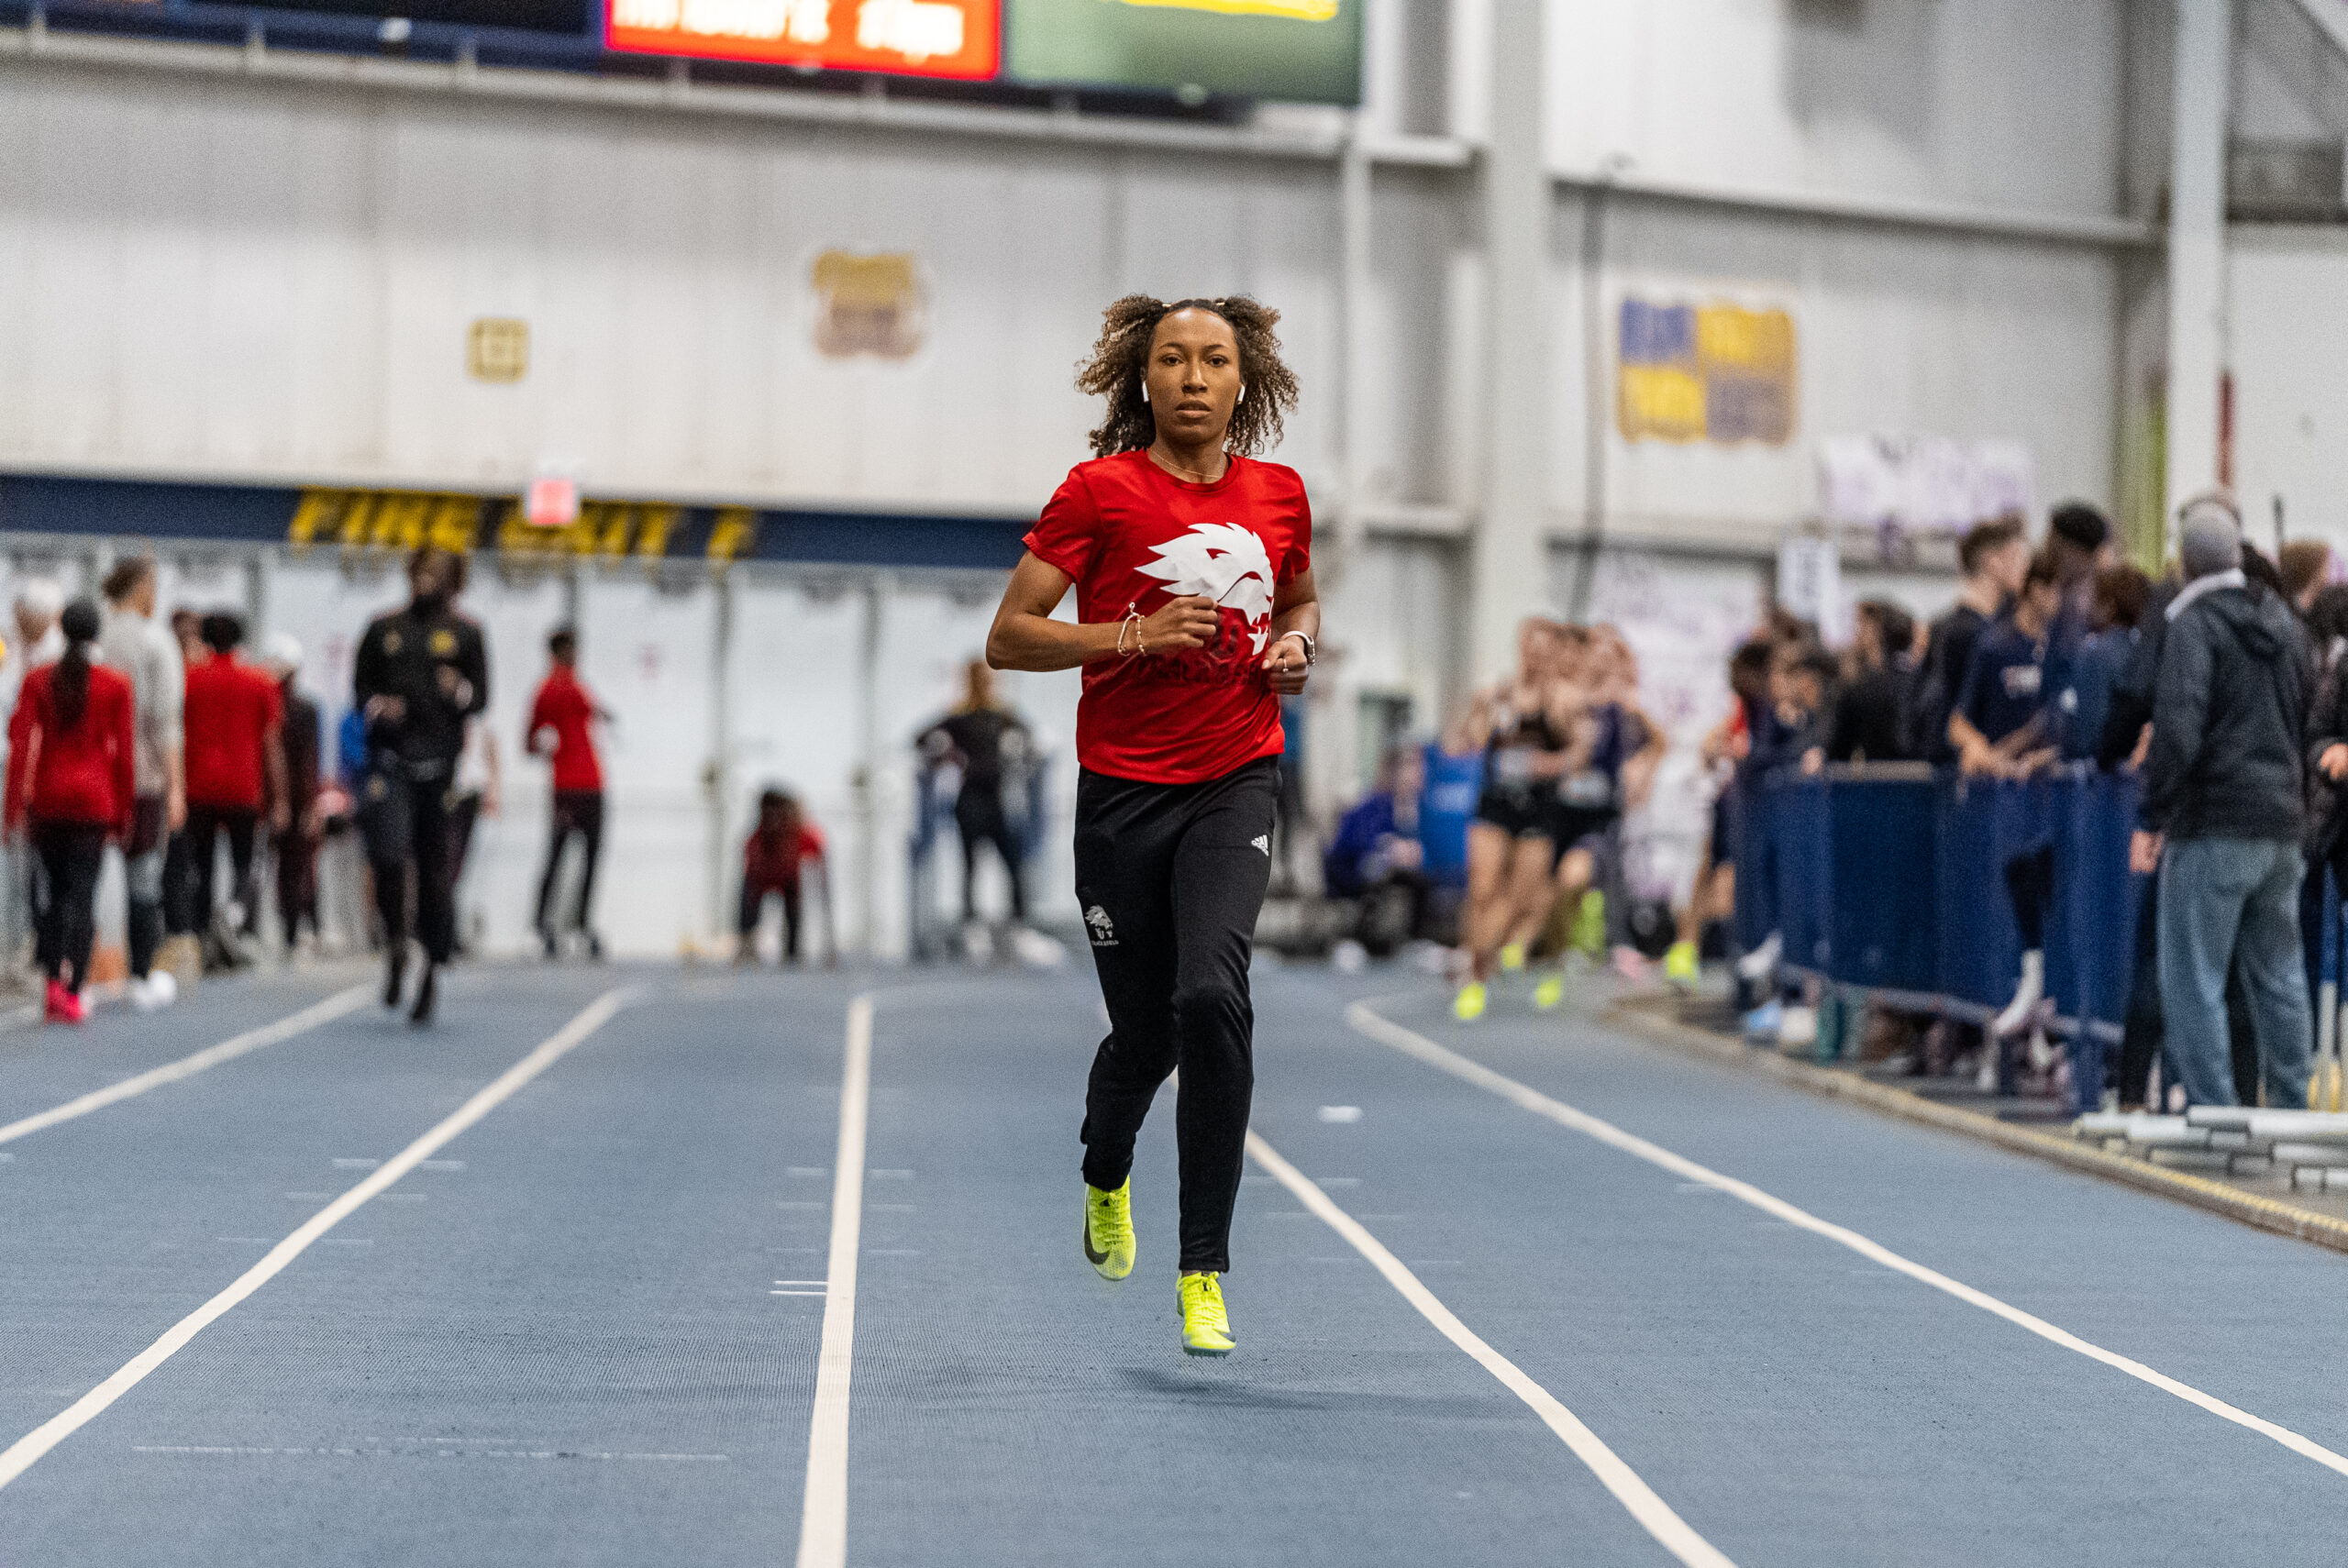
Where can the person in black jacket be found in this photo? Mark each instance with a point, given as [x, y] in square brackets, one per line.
[420, 673]
[1994, 555]
[2223, 812]
[1871, 711]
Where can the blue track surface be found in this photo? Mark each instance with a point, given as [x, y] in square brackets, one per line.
[558, 1343]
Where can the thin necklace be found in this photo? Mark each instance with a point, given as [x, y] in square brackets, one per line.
[1177, 470]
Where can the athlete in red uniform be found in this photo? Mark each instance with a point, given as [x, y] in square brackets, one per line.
[71, 787]
[1196, 613]
[236, 766]
[562, 719]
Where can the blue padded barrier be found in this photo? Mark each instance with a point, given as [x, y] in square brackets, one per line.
[1892, 880]
[1751, 812]
[1982, 825]
[1884, 911]
[1800, 823]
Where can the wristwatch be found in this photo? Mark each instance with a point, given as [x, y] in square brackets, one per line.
[1312, 654]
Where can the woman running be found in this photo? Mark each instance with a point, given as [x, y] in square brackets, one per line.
[1510, 852]
[71, 760]
[1612, 753]
[1196, 613]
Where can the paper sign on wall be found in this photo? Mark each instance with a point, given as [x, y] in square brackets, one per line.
[1922, 483]
[868, 305]
[1715, 372]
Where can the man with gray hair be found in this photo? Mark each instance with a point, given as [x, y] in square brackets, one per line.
[2224, 805]
[149, 656]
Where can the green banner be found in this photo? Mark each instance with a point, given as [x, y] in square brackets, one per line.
[1304, 52]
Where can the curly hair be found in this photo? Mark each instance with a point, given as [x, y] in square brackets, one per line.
[1115, 372]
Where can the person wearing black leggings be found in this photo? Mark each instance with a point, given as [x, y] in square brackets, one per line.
[72, 785]
[1196, 613]
[989, 741]
[420, 673]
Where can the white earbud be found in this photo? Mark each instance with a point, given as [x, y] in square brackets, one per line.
[1144, 391]
[1243, 393]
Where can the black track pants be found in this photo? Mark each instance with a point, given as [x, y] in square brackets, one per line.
[1171, 877]
[577, 811]
[65, 914]
[405, 822]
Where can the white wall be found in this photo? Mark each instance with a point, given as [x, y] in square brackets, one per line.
[1897, 333]
[2290, 340]
[1986, 103]
[253, 281]
[257, 280]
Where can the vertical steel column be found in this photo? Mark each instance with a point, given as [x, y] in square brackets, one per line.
[868, 767]
[1329, 750]
[1510, 569]
[2196, 246]
[717, 778]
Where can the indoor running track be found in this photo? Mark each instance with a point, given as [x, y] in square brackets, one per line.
[585, 1327]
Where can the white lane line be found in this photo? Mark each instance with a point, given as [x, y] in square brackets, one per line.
[1412, 1043]
[1655, 1515]
[236, 1046]
[823, 1520]
[21, 1456]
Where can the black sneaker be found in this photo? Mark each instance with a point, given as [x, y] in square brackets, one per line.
[428, 992]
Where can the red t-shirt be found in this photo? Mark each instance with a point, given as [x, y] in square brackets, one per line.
[564, 707]
[231, 709]
[1131, 535]
[81, 774]
[771, 861]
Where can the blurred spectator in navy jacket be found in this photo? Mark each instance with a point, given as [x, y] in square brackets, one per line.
[1377, 858]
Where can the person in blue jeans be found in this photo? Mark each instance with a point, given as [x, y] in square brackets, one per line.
[2224, 811]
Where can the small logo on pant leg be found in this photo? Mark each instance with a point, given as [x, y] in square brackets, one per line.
[1263, 842]
[1103, 930]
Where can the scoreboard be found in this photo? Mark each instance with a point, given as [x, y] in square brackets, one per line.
[917, 37]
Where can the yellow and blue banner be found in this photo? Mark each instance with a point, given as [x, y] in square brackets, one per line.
[1714, 372]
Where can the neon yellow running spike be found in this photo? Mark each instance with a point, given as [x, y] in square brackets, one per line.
[1512, 957]
[1206, 1327]
[1590, 924]
[1469, 1005]
[1679, 964]
[1549, 991]
[1109, 1229]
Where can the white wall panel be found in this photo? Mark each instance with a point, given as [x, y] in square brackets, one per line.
[1895, 334]
[644, 653]
[1990, 103]
[230, 280]
[2289, 341]
[797, 703]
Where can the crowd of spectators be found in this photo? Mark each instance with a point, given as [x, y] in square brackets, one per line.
[2220, 686]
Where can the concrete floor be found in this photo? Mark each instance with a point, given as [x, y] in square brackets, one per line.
[558, 1343]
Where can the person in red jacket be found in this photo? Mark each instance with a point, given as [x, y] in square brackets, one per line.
[71, 788]
[236, 766]
[783, 841]
[561, 728]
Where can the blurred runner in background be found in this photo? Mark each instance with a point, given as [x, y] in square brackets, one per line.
[420, 673]
[295, 847]
[72, 786]
[783, 841]
[236, 766]
[561, 728]
[989, 742]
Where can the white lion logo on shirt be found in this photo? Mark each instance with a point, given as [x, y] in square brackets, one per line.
[1224, 562]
